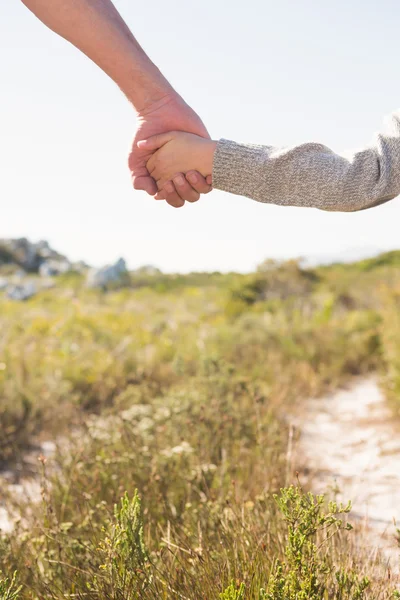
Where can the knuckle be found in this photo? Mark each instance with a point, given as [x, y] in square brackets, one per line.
[176, 202]
[151, 165]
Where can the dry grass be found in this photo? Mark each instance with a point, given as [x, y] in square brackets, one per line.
[190, 380]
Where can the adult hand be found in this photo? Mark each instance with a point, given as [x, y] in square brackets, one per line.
[171, 113]
[189, 187]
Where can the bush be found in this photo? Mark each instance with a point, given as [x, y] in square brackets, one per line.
[183, 394]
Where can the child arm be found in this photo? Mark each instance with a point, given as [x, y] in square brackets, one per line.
[307, 175]
[311, 174]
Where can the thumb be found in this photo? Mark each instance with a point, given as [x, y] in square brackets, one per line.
[155, 141]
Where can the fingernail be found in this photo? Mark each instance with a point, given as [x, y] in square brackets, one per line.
[192, 178]
[169, 187]
[179, 180]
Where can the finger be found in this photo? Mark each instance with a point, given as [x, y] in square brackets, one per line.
[154, 142]
[198, 182]
[184, 189]
[171, 196]
[160, 195]
[151, 165]
[140, 176]
[145, 183]
[209, 180]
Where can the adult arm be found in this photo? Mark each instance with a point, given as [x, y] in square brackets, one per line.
[98, 30]
[311, 174]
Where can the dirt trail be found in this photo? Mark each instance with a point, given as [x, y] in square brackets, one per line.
[22, 486]
[348, 440]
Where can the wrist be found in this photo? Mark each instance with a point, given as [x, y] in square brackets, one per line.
[210, 147]
[155, 101]
[147, 90]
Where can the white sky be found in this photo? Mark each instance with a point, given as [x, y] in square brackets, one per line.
[260, 71]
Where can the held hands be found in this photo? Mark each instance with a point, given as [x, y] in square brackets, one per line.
[175, 154]
[170, 113]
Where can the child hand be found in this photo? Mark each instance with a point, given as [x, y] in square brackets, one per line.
[178, 152]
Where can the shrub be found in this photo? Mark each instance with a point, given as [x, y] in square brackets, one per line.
[9, 589]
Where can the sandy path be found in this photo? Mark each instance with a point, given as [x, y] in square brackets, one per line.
[21, 486]
[349, 441]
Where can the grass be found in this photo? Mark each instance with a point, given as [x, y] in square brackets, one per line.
[172, 395]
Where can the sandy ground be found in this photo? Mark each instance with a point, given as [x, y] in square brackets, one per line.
[348, 441]
[22, 486]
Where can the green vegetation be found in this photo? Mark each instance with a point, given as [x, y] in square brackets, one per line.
[179, 387]
[8, 589]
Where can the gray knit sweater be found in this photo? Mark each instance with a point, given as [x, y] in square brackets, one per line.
[311, 174]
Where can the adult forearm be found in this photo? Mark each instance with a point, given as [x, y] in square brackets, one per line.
[312, 174]
[98, 30]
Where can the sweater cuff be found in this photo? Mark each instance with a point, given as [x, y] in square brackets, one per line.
[236, 167]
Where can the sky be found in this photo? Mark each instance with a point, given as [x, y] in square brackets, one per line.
[260, 71]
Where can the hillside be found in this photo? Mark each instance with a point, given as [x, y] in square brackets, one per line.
[180, 387]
